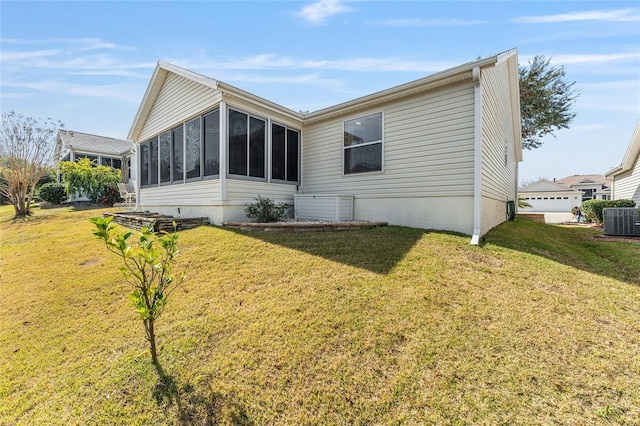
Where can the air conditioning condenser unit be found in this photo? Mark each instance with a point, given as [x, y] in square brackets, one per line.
[621, 221]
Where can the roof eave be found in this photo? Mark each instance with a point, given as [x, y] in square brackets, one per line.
[439, 79]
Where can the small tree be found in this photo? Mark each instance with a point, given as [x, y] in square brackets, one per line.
[147, 268]
[546, 99]
[26, 153]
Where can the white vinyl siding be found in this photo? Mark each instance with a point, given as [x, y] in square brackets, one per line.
[202, 193]
[627, 185]
[246, 191]
[498, 154]
[179, 99]
[428, 149]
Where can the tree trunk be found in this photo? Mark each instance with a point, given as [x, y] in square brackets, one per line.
[151, 336]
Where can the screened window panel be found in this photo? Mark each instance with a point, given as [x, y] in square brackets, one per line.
[106, 161]
[278, 152]
[237, 143]
[153, 161]
[293, 154]
[177, 144]
[144, 164]
[363, 130]
[257, 144]
[212, 143]
[367, 158]
[165, 157]
[116, 163]
[192, 142]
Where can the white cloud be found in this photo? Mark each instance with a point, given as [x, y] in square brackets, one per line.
[272, 62]
[118, 92]
[20, 56]
[419, 22]
[317, 12]
[82, 43]
[615, 15]
[594, 58]
[585, 58]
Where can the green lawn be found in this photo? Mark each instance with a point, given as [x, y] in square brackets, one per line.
[540, 325]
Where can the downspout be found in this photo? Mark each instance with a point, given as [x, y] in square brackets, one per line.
[136, 187]
[477, 160]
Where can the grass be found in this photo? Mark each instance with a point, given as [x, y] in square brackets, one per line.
[540, 325]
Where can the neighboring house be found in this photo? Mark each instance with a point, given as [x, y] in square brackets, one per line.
[441, 152]
[626, 177]
[593, 187]
[116, 153]
[546, 196]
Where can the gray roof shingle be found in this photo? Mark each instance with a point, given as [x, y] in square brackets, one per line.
[78, 141]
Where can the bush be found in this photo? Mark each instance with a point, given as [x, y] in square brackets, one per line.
[266, 210]
[593, 209]
[48, 178]
[624, 203]
[53, 192]
[109, 196]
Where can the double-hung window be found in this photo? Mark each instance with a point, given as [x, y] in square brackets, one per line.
[363, 144]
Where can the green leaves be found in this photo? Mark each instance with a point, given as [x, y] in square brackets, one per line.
[147, 264]
[84, 176]
[546, 99]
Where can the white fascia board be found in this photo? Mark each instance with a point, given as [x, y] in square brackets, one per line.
[614, 172]
[157, 78]
[234, 92]
[633, 151]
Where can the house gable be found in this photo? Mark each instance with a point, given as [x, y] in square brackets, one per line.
[544, 185]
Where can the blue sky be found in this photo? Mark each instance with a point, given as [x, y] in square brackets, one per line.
[88, 63]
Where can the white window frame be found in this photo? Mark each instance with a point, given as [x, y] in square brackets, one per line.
[381, 142]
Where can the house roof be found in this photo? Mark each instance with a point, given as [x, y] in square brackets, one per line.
[101, 145]
[630, 157]
[544, 185]
[453, 75]
[584, 180]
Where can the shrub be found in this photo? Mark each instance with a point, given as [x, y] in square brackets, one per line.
[624, 203]
[593, 209]
[266, 210]
[85, 177]
[109, 196]
[53, 192]
[48, 178]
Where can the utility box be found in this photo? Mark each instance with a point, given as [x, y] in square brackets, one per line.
[333, 208]
[621, 221]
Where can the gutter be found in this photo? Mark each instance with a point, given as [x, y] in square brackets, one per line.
[477, 161]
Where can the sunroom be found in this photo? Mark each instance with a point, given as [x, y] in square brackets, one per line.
[214, 161]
